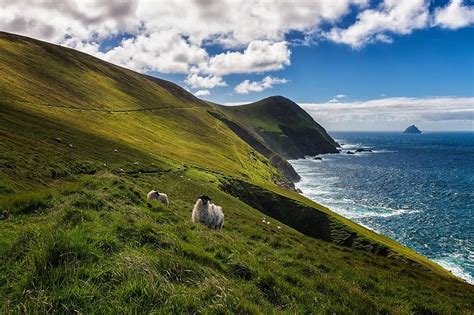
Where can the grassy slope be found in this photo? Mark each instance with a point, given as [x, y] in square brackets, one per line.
[81, 236]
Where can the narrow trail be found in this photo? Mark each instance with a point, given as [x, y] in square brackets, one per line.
[151, 109]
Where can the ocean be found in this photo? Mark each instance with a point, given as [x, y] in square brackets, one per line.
[414, 188]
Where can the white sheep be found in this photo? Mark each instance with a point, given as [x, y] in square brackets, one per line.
[160, 197]
[208, 213]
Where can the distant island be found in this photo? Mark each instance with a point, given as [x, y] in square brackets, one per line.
[412, 129]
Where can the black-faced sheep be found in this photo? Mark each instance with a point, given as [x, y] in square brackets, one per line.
[160, 197]
[4, 215]
[208, 213]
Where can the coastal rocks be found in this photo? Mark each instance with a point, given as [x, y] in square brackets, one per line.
[318, 158]
[286, 184]
[362, 150]
[412, 129]
[359, 150]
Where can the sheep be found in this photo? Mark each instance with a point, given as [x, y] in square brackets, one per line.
[208, 213]
[5, 214]
[160, 197]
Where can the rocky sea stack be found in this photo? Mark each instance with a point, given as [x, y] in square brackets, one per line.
[412, 129]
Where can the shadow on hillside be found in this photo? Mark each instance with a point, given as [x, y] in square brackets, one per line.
[305, 219]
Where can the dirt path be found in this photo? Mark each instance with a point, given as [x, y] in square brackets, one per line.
[110, 110]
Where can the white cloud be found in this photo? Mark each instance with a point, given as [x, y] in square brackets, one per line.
[237, 103]
[171, 36]
[267, 82]
[393, 109]
[237, 23]
[202, 93]
[164, 51]
[53, 20]
[174, 36]
[390, 17]
[454, 15]
[337, 98]
[259, 56]
[207, 82]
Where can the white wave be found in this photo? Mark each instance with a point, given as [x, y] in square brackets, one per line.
[380, 212]
[383, 151]
[319, 187]
[354, 146]
[451, 265]
[344, 144]
[349, 208]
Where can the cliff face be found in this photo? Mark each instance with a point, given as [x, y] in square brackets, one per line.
[285, 127]
[261, 146]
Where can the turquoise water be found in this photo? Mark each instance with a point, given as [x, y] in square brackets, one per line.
[417, 189]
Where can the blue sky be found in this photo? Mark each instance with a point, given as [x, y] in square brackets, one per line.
[432, 62]
[353, 64]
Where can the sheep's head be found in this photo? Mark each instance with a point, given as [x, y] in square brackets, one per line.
[205, 199]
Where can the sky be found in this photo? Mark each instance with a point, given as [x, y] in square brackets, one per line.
[352, 64]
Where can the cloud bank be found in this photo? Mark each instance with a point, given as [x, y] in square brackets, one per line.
[268, 82]
[202, 93]
[397, 111]
[207, 40]
[454, 15]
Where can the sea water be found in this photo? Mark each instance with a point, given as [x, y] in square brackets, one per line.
[415, 188]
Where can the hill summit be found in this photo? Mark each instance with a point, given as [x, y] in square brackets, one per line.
[285, 127]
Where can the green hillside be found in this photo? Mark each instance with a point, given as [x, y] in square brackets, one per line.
[82, 142]
[285, 127]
